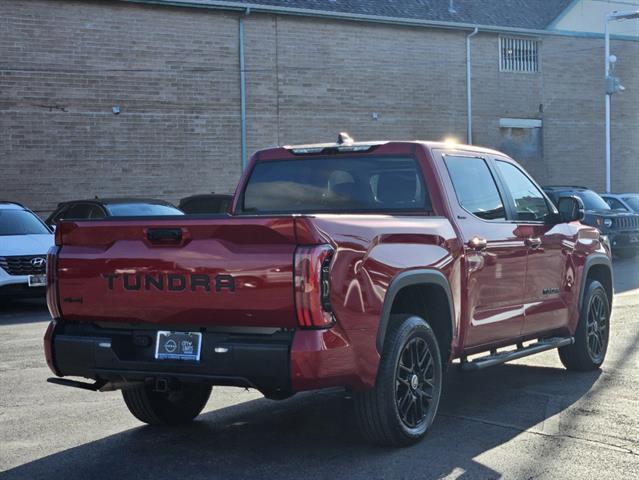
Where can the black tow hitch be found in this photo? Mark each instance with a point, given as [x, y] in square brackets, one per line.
[94, 387]
[161, 385]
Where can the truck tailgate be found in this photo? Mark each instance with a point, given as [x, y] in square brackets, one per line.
[187, 272]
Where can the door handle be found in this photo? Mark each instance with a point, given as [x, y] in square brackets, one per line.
[164, 235]
[477, 243]
[533, 242]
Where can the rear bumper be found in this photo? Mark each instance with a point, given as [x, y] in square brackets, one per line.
[275, 363]
[258, 361]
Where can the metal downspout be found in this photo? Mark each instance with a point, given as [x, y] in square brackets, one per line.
[243, 88]
[469, 89]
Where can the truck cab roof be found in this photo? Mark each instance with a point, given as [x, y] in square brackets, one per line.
[350, 146]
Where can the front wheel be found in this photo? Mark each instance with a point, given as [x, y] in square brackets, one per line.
[179, 405]
[593, 330]
[401, 408]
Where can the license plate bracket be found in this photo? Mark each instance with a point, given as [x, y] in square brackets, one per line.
[37, 280]
[183, 346]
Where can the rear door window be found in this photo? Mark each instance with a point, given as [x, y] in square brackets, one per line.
[475, 187]
[336, 184]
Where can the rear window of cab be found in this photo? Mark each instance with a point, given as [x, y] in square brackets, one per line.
[339, 184]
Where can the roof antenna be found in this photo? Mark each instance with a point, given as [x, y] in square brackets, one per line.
[451, 6]
[344, 139]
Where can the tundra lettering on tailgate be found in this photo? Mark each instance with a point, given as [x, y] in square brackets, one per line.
[172, 282]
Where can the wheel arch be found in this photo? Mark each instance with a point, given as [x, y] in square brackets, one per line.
[433, 289]
[597, 267]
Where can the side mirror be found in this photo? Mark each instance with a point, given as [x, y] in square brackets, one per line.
[571, 209]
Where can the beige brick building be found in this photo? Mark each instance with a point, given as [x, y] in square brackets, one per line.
[174, 74]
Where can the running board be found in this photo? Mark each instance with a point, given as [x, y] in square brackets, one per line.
[74, 383]
[503, 357]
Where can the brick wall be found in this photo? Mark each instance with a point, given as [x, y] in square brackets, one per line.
[174, 73]
[573, 99]
[64, 65]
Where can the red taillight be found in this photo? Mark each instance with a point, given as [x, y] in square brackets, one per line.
[52, 283]
[312, 286]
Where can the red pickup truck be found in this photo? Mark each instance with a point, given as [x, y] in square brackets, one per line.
[369, 266]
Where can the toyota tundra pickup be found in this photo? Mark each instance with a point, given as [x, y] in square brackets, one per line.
[369, 266]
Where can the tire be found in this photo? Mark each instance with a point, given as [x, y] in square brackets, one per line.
[592, 334]
[177, 406]
[400, 409]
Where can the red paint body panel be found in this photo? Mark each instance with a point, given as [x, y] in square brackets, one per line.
[258, 253]
[496, 293]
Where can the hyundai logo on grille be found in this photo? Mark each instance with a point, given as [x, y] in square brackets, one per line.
[38, 262]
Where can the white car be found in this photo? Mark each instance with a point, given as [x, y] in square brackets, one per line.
[24, 243]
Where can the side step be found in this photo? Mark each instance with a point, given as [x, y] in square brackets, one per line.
[503, 357]
[74, 383]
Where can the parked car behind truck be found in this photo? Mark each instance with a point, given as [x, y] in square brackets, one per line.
[370, 266]
[24, 243]
[625, 202]
[620, 227]
[98, 208]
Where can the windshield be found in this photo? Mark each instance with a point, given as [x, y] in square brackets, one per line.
[633, 202]
[21, 222]
[592, 201]
[336, 184]
[141, 210]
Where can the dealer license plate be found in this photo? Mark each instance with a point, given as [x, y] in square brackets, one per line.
[37, 280]
[178, 346]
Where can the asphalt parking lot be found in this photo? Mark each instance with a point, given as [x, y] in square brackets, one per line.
[528, 419]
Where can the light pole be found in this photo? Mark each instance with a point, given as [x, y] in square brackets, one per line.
[612, 83]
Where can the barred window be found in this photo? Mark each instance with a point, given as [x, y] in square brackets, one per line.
[518, 55]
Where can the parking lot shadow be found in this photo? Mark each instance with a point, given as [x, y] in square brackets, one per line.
[312, 435]
[23, 311]
[626, 274]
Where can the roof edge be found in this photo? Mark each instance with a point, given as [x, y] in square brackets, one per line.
[305, 12]
[356, 17]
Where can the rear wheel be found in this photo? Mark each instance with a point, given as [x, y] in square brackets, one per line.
[591, 338]
[402, 406]
[178, 405]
